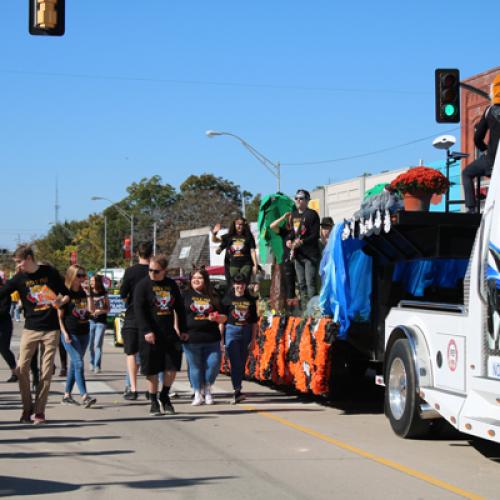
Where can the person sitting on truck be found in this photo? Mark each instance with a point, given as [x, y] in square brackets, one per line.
[483, 165]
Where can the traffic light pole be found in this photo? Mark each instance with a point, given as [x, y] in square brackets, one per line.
[475, 90]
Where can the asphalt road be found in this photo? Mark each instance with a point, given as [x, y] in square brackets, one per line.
[275, 445]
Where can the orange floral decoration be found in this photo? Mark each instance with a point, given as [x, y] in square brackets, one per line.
[293, 352]
[320, 379]
[306, 359]
[420, 180]
[269, 350]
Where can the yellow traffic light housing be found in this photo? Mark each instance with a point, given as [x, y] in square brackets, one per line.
[47, 17]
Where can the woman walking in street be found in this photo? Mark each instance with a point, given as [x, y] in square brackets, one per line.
[203, 336]
[240, 330]
[98, 321]
[239, 243]
[74, 319]
[6, 335]
[160, 317]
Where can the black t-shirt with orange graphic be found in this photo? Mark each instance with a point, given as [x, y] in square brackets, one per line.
[240, 310]
[76, 313]
[238, 249]
[198, 306]
[37, 291]
[154, 306]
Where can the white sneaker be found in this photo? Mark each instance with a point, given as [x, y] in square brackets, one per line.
[198, 399]
[209, 399]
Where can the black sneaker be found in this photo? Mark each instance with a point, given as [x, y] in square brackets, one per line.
[68, 400]
[167, 407]
[12, 378]
[146, 395]
[131, 396]
[238, 397]
[89, 401]
[155, 409]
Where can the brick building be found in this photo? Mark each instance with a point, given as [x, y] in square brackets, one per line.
[472, 107]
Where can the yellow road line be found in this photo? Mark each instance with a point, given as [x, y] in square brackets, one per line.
[370, 456]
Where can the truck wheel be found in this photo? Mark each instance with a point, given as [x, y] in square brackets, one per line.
[401, 398]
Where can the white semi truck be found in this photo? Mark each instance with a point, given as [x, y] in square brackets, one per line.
[441, 358]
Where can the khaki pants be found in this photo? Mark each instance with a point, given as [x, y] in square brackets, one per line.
[30, 339]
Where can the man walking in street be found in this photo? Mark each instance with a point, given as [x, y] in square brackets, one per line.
[42, 291]
[130, 331]
[303, 242]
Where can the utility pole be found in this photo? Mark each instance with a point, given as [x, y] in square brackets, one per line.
[154, 238]
[105, 244]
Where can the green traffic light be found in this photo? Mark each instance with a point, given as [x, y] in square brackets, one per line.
[449, 110]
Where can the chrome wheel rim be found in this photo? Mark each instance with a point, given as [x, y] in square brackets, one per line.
[397, 388]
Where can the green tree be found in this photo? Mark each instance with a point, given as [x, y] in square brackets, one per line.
[210, 184]
[252, 208]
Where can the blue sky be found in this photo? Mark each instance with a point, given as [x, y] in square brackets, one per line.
[130, 89]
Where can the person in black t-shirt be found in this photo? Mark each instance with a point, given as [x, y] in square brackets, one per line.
[240, 329]
[98, 321]
[239, 243]
[202, 341]
[74, 320]
[130, 332]
[42, 290]
[303, 244]
[159, 307]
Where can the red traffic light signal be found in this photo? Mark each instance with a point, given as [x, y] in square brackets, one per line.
[447, 85]
[127, 248]
[47, 17]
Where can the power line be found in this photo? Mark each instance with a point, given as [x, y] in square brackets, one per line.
[362, 155]
[213, 83]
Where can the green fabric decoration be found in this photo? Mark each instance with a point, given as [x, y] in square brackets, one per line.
[272, 207]
[377, 189]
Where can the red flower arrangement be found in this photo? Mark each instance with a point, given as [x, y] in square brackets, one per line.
[420, 180]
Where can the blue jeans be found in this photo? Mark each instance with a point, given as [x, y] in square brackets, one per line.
[96, 338]
[237, 339]
[76, 350]
[203, 363]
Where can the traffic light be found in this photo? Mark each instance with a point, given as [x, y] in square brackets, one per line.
[47, 17]
[127, 248]
[447, 95]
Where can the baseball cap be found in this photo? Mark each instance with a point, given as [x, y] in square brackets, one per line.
[327, 222]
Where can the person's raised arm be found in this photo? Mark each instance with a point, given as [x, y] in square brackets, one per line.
[276, 224]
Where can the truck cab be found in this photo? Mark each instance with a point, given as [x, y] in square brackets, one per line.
[441, 355]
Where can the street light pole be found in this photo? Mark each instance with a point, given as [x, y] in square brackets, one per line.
[274, 168]
[105, 244]
[127, 216]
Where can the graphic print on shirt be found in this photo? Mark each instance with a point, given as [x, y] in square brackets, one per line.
[80, 310]
[237, 247]
[201, 307]
[164, 301]
[39, 294]
[298, 228]
[241, 312]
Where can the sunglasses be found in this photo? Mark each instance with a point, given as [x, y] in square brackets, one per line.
[299, 198]
[81, 275]
[155, 271]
